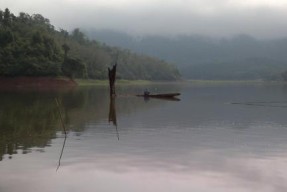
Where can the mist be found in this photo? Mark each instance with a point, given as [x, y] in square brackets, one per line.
[220, 18]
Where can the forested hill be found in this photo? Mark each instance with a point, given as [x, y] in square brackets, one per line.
[201, 57]
[31, 46]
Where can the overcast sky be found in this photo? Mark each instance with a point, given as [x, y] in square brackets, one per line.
[260, 18]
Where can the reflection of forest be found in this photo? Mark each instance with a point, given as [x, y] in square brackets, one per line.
[31, 119]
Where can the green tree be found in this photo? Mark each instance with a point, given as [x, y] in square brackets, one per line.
[1, 17]
[30, 46]
[73, 68]
[6, 18]
[66, 49]
[78, 36]
[6, 37]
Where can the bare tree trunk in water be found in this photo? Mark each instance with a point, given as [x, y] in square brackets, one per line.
[112, 80]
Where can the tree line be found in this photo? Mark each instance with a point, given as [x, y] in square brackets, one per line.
[31, 46]
[241, 57]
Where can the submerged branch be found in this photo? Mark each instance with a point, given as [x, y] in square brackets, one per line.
[64, 128]
[62, 151]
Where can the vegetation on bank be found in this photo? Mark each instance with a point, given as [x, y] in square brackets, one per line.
[31, 46]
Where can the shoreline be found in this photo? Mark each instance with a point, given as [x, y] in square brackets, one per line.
[44, 83]
[7, 83]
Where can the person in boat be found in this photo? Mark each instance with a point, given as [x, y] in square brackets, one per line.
[146, 93]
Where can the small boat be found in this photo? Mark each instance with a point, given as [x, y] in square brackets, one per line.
[163, 95]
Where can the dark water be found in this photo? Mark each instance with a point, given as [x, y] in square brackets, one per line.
[217, 138]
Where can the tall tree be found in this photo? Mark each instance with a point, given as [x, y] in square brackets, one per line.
[6, 18]
[78, 36]
[1, 16]
[66, 49]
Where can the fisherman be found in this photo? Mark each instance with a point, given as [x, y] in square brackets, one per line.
[146, 93]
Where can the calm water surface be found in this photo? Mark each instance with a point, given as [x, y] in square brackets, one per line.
[216, 138]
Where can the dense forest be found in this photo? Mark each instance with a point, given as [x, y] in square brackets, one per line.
[31, 46]
[241, 57]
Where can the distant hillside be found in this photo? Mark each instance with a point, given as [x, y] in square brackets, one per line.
[198, 57]
[31, 46]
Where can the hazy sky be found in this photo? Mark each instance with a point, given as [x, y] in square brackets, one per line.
[260, 18]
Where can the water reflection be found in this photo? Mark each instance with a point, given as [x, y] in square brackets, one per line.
[162, 98]
[30, 118]
[202, 143]
[113, 115]
[26, 121]
[64, 130]
[112, 112]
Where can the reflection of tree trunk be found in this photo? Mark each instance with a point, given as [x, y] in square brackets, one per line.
[112, 79]
[112, 112]
[113, 115]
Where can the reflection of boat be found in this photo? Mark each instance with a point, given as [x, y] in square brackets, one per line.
[161, 96]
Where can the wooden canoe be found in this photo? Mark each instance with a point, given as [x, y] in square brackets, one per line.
[163, 95]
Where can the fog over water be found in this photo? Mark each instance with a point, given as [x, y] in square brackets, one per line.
[219, 18]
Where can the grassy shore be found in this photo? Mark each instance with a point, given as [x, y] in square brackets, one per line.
[92, 82]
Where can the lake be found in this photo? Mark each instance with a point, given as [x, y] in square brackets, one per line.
[217, 138]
